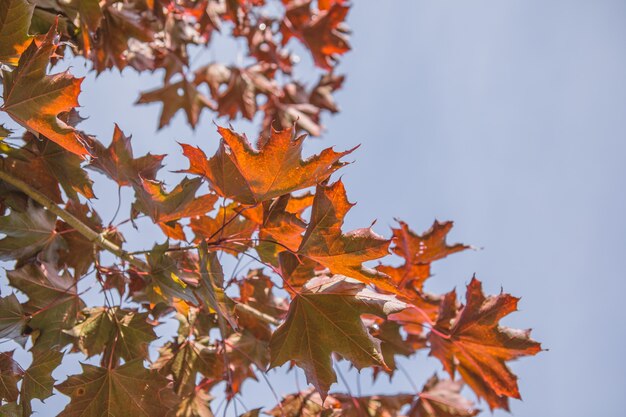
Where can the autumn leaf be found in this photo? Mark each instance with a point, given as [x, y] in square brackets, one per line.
[311, 332]
[116, 332]
[27, 233]
[211, 288]
[181, 95]
[418, 252]
[12, 317]
[392, 341]
[184, 361]
[10, 375]
[79, 252]
[442, 398]
[472, 342]
[118, 163]
[226, 224]
[53, 292]
[165, 208]
[197, 404]
[307, 403]
[427, 247]
[15, 16]
[299, 106]
[45, 166]
[248, 349]
[374, 405]
[35, 100]
[252, 176]
[235, 90]
[38, 382]
[122, 25]
[130, 390]
[324, 33]
[325, 243]
[169, 279]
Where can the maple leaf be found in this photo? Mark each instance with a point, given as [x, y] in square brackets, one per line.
[325, 243]
[392, 342]
[323, 34]
[169, 279]
[181, 95]
[79, 252]
[35, 100]
[250, 176]
[10, 375]
[118, 163]
[263, 47]
[119, 333]
[311, 331]
[27, 233]
[184, 361]
[418, 252]
[211, 288]
[37, 381]
[130, 390]
[226, 224]
[122, 24]
[257, 290]
[44, 165]
[281, 226]
[307, 403]
[296, 105]
[472, 342]
[235, 89]
[197, 404]
[442, 398]
[427, 247]
[374, 406]
[15, 16]
[166, 208]
[12, 317]
[52, 293]
[247, 348]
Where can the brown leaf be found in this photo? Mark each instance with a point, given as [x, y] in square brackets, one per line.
[325, 243]
[15, 16]
[181, 95]
[472, 342]
[35, 100]
[311, 332]
[166, 208]
[323, 33]
[130, 390]
[118, 163]
[442, 398]
[10, 375]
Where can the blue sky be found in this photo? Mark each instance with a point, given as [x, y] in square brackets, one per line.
[504, 116]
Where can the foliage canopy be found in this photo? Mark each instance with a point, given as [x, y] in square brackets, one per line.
[312, 297]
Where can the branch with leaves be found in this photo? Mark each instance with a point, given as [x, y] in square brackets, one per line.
[307, 299]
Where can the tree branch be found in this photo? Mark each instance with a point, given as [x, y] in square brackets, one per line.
[93, 236]
[99, 238]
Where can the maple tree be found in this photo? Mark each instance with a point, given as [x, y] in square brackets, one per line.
[311, 299]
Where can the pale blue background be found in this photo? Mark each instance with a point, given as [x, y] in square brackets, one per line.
[506, 116]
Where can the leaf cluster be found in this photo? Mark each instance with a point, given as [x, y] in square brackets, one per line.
[315, 294]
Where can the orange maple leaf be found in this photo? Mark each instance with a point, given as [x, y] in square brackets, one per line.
[250, 176]
[471, 341]
[35, 100]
